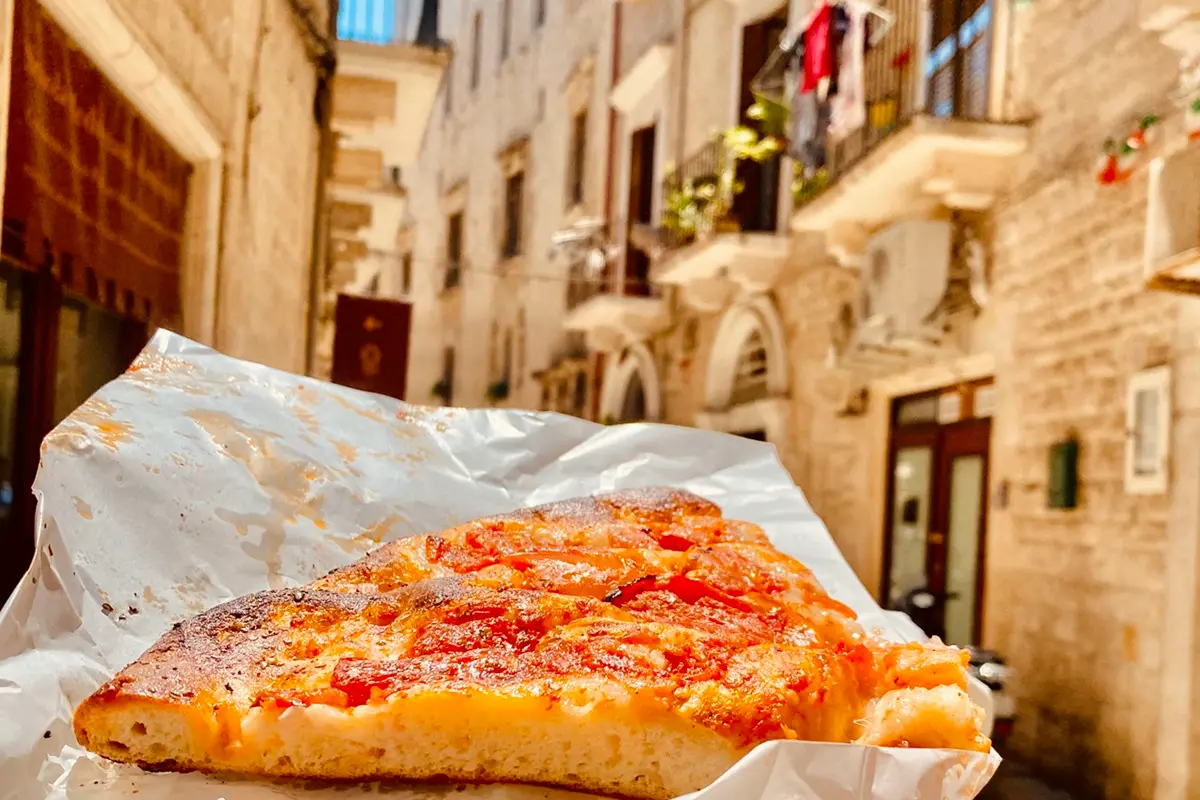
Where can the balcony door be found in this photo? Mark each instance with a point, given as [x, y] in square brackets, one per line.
[958, 67]
[641, 207]
[756, 207]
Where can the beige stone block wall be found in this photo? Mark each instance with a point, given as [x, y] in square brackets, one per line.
[245, 64]
[1076, 597]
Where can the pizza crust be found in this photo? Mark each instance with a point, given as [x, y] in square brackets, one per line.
[604, 741]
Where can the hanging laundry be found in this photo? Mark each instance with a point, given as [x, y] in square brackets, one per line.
[848, 104]
[818, 48]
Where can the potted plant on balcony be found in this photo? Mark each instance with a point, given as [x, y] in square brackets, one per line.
[700, 206]
[498, 390]
[806, 187]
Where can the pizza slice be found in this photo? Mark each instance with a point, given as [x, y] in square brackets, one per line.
[634, 644]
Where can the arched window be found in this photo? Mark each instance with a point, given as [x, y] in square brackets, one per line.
[750, 375]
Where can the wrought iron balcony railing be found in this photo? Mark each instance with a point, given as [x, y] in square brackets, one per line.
[903, 81]
[633, 281]
[712, 191]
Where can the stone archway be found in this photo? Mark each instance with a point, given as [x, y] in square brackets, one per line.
[631, 386]
[750, 325]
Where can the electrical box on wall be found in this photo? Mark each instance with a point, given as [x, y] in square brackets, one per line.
[1063, 483]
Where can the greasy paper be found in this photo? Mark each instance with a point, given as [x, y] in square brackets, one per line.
[195, 478]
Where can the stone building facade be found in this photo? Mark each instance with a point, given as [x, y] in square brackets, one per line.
[391, 57]
[515, 151]
[1036, 366]
[175, 186]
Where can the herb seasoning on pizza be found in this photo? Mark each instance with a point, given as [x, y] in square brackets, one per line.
[634, 644]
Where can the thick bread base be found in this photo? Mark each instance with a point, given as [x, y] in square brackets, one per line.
[604, 745]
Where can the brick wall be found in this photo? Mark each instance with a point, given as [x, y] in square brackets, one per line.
[244, 62]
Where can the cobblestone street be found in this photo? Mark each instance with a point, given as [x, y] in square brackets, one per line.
[1014, 782]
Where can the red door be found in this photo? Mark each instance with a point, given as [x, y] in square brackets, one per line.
[370, 346]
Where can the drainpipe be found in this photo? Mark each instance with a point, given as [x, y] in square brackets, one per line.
[615, 77]
[326, 146]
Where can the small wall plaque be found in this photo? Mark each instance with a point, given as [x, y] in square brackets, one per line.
[1064, 475]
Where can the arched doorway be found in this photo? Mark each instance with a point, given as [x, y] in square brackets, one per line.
[633, 406]
[631, 389]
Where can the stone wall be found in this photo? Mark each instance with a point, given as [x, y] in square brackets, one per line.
[244, 62]
[1081, 610]
[1076, 597]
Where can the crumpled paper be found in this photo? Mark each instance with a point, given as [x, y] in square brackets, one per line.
[195, 478]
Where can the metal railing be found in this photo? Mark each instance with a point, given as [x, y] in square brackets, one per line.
[753, 206]
[902, 82]
[633, 281]
[385, 22]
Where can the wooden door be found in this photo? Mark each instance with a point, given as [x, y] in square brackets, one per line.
[641, 207]
[937, 523]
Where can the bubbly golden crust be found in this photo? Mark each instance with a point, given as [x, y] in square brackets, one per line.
[642, 614]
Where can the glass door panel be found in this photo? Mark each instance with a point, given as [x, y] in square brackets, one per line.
[912, 471]
[93, 349]
[962, 559]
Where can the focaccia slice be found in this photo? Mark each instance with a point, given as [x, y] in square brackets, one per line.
[635, 644]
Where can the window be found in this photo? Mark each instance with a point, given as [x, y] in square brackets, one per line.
[406, 273]
[539, 13]
[514, 198]
[506, 31]
[750, 380]
[577, 167]
[476, 49]
[454, 249]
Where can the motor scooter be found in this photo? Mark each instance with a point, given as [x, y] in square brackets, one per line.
[926, 611]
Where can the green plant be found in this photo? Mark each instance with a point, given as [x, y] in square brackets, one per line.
[441, 390]
[804, 188]
[498, 390]
[684, 210]
[697, 203]
[771, 115]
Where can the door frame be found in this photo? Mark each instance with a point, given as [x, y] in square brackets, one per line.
[973, 438]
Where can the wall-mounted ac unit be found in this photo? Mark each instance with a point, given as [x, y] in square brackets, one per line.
[1171, 256]
[903, 279]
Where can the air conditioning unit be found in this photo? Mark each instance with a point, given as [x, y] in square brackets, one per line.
[1171, 255]
[904, 277]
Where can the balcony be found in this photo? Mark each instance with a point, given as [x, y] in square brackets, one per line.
[390, 65]
[614, 309]
[929, 139]
[714, 241]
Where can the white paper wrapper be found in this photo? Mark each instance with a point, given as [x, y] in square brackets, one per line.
[196, 478]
